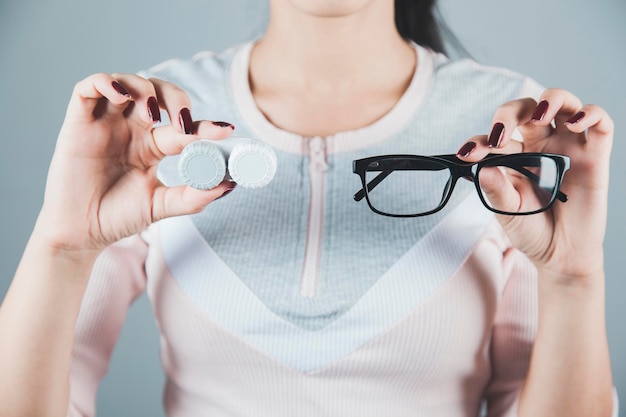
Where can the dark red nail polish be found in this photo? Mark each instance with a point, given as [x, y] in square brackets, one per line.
[495, 137]
[576, 118]
[184, 117]
[540, 111]
[121, 90]
[466, 149]
[228, 191]
[153, 109]
[224, 124]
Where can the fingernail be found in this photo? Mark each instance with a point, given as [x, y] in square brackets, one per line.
[121, 90]
[495, 137]
[576, 118]
[224, 124]
[185, 121]
[466, 149]
[228, 191]
[540, 111]
[153, 109]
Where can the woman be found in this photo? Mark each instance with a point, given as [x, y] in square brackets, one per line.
[293, 299]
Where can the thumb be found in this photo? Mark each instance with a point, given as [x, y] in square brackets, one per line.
[181, 200]
[498, 190]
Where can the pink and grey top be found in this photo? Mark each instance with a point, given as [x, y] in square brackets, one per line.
[294, 300]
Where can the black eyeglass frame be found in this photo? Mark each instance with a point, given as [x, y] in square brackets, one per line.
[459, 169]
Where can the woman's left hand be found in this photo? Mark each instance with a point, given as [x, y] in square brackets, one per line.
[566, 240]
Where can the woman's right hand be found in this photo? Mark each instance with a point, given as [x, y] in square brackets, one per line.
[102, 183]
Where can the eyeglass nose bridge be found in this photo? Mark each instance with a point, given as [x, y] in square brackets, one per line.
[465, 170]
[468, 171]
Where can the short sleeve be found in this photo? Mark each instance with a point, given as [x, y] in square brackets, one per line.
[531, 88]
[117, 279]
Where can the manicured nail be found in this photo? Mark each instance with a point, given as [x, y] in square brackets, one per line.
[575, 118]
[121, 90]
[153, 109]
[495, 137]
[228, 191]
[224, 124]
[540, 111]
[185, 121]
[466, 149]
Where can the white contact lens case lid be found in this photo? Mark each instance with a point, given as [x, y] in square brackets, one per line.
[252, 164]
[202, 165]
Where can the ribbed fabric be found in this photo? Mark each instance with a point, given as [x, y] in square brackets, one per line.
[434, 361]
[446, 103]
[416, 317]
[214, 288]
[118, 279]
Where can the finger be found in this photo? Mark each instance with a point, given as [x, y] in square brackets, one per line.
[89, 93]
[503, 193]
[477, 147]
[558, 105]
[177, 104]
[146, 105]
[499, 190]
[515, 115]
[596, 121]
[181, 200]
[168, 141]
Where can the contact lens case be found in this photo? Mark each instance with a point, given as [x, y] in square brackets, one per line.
[205, 163]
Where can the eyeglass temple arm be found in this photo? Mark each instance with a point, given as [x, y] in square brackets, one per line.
[384, 174]
[372, 184]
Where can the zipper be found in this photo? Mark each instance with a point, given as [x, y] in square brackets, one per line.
[317, 173]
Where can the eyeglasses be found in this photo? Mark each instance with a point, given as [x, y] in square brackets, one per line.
[414, 185]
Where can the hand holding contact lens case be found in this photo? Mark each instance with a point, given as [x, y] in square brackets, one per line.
[205, 163]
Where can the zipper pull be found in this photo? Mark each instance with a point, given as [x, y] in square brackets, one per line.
[317, 153]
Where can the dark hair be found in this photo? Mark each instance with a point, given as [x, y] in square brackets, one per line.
[420, 21]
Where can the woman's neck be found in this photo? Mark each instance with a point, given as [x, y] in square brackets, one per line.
[345, 70]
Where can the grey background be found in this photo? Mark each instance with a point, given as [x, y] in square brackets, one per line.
[46, 47]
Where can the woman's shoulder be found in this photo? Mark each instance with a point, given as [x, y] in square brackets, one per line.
[203, 67]
[468, 73]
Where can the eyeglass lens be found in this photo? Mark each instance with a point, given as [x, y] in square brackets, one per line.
[528, 184]
[407, 188]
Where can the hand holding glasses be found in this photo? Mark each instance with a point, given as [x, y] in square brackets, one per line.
[537, 176]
